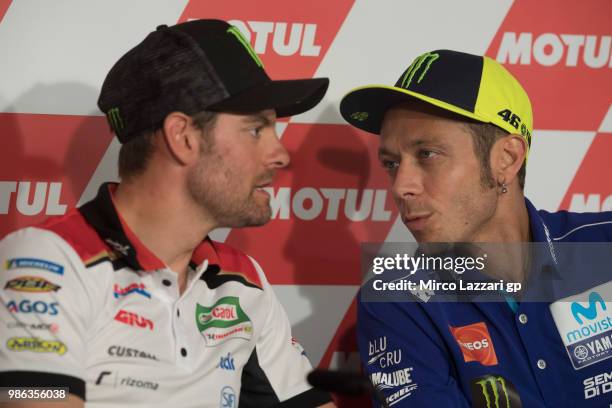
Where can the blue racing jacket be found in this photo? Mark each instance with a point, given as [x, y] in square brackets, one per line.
[554, 351]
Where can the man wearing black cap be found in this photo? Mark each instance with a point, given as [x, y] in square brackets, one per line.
[126, 301]
[455, 132]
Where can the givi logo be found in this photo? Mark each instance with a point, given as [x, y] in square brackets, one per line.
[48, 164]
[291, 41]
[332, 198]
[544, 45]
[589, 192]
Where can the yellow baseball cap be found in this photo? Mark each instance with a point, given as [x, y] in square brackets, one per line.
[473, 86]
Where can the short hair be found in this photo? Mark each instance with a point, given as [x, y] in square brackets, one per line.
[484, 136]
[135, 154]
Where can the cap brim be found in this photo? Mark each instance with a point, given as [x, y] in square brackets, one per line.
[365, 107]
[288, 97]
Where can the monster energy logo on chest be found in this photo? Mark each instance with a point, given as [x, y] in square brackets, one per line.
[494, 391]
[420, 64]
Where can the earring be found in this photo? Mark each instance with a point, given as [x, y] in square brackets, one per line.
[504, 189]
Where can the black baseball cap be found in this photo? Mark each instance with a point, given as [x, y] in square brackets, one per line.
[195, 66]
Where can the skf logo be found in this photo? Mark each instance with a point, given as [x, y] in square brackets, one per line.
[291, 40]
[494, 391]
[590, 312]
[32, 284]
[132, 319]
[228, 398]
[475, 343]
[35, 344]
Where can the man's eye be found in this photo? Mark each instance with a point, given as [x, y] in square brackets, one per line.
[256, 132]
[390, 164]
[426, 154]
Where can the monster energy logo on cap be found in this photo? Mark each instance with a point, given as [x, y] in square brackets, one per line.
[114, 120]
[494, 391]
[424, 61]
[234, 31]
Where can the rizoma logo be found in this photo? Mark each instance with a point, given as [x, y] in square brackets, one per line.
[420, 65]
[301, 38]
[132, 288]
[475, 343]
[327, 203]
[132, 319]
[494, 391]
[46, 198]
[549, 49]
[589, 312]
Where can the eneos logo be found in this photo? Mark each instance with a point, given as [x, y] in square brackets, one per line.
[223, 321]
[35, 344]
[31, 284]
[475, 343]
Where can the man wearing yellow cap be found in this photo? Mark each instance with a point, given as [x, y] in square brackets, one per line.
[455, 132]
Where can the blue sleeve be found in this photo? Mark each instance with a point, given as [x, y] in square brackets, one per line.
[405, 357]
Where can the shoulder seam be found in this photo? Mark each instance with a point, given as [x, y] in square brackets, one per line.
[580, 227]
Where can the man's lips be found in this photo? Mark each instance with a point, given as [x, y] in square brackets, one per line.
[416, 222]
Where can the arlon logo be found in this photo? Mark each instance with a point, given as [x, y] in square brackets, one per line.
[494, 391]
[35, 344]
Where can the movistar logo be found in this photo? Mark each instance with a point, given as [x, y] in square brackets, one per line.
[589, 312]
[236, 33]
[491, 388]
[114, 119]
[422, 65]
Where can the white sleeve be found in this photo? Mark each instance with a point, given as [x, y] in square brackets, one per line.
[46, 311]
[277, 369]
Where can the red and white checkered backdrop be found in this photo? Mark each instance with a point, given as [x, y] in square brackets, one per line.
[57, 149]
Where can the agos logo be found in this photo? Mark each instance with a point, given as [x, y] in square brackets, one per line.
[27, 306]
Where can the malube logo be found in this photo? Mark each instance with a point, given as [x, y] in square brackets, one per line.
[35, 344]
[45, 198]
[494, 391]
[392, 379]
[310, 203]
[132, 319]
[222, 321]
[550, 49]
[31, 284]
[475, 343]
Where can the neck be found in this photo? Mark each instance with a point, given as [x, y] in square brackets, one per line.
[507, 235]
[159, 212]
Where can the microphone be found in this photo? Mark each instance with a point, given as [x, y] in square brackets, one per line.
[345, 383]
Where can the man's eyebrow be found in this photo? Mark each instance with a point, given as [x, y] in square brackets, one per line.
[259, 118]
[383, 151]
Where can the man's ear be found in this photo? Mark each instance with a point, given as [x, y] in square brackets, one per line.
[507, 157]
[181, 137]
